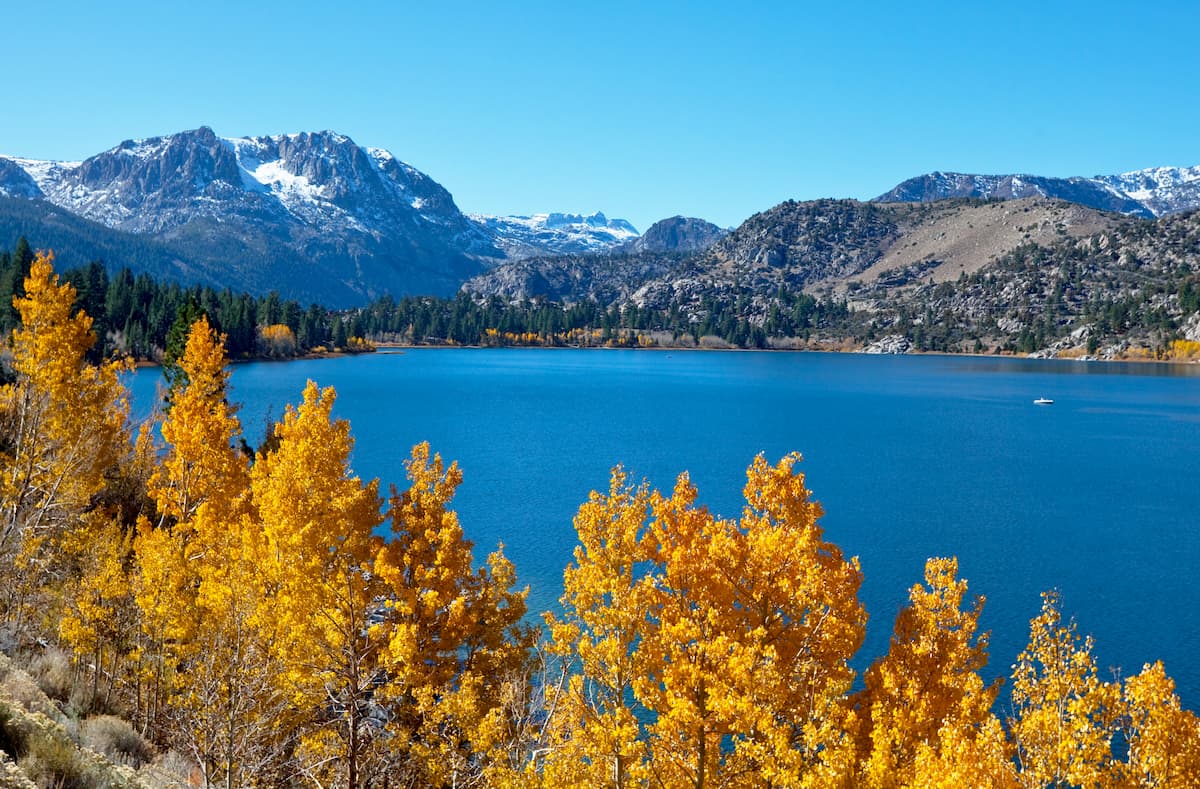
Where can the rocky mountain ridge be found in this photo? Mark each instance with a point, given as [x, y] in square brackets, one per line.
[1032, 275]
[316, 215]
[523, 237]
[605, 277]
[313, 215]
[676, 234]
[1152, 192]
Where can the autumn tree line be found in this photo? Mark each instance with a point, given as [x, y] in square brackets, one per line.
[282, 622]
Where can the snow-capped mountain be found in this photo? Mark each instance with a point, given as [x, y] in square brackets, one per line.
[315, 216]
[1085, 191]
[1164, 190]
[1149, 193]
[555, 234]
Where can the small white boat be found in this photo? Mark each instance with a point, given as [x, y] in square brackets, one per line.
[1043, 401]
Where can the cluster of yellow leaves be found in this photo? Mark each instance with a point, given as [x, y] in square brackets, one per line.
[359, 345]
[586, 338]
[1184, 350]
[277, 340]
[65, 431]
[710, 651]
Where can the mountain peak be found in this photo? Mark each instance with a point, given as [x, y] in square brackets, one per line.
[677, 234]
[291, 204]
[1150, 192]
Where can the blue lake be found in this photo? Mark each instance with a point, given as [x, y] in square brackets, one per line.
[1096, 495]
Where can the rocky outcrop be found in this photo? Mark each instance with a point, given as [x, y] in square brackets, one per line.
[892, 343]
[15, 182]
[1191, 328]
[676, 234]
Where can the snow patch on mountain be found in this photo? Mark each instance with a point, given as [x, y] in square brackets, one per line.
[556, 233]
[1164, 190]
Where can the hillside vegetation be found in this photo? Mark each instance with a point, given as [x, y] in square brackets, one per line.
[192, 613]
[1026, 276]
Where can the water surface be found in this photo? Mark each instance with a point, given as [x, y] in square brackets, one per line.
[911, 456]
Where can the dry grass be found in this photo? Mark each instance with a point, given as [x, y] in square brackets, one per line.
[51, 670]
[965, 238]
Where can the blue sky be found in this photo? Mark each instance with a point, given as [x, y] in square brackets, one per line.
[638, 109]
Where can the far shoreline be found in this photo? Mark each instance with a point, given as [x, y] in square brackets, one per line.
[395, 347]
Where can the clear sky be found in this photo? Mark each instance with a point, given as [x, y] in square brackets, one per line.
[642, 110]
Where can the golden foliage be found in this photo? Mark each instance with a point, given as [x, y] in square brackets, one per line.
[65, 420]
[1065, 715]
[733, 637]
[1164, 740]
[277, 341]
[596, 737]
[1184, 350]
[203, 463]
[453, 634]
[65, 431]
[928, 681]
[316, 542]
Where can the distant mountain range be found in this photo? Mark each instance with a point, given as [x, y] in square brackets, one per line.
[555, 234]
[1152, 192]
[319, 218]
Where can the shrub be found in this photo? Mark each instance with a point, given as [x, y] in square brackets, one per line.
[54, 761]
[14, 740]
[51, 670]
[19, 688]
[172, 769]
[12, 777]
[117, 740]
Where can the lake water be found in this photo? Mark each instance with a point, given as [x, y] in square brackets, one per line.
[1096, 495]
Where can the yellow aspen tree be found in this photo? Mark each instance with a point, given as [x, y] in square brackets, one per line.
[98, 620]
[595, 736]
[201, 468]
[963, 755]
[203, 462]
[453, 633]
[1065, 715]
[928, 680]
[163, 587]
[228, 709]
[317, 542]
[65, 426]
[1163, 738]
[747, 666]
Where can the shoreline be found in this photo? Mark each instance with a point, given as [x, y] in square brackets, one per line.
[393, 346]
[401, 347]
